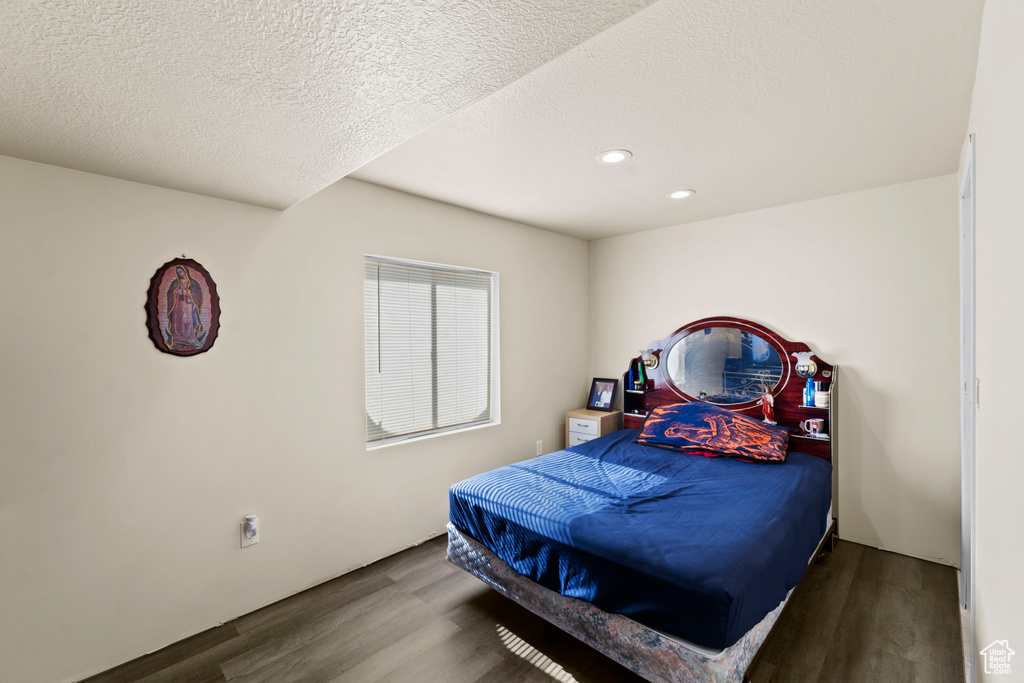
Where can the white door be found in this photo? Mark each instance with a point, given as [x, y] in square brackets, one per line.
[968, 381]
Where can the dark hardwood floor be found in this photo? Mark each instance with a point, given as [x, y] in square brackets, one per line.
[860, 614]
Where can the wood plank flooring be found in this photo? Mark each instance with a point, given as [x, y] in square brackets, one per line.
[860, 614]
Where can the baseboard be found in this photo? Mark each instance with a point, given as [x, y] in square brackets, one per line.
[875, 543]
[965, 637]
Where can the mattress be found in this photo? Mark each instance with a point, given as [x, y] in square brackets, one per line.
[653, 655]
[699, 548]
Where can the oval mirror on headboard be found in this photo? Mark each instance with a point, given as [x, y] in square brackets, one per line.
[723, 365]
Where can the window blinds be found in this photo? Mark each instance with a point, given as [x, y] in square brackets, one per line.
[428, 349]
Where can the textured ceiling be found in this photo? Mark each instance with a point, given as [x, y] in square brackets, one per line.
[752, 104]
[262, 101]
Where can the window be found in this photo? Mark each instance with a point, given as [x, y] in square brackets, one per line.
[431, 349]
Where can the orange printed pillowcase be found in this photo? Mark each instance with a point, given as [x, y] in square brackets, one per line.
[705, 429]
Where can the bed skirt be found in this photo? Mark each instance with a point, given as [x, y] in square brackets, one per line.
[653, 655]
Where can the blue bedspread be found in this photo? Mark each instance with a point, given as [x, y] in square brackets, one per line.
[701, 548]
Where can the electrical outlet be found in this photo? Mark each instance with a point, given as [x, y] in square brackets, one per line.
[540, 447]
[250, 529]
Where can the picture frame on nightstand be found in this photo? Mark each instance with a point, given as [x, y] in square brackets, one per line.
[602, 394]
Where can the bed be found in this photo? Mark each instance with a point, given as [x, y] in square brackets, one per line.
[673, 563]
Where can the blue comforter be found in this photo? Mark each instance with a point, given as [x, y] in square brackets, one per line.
[701, 548]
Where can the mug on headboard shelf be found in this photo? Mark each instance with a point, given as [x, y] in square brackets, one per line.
[813, 426]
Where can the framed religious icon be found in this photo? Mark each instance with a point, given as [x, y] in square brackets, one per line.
[182, 309]
[602, 394]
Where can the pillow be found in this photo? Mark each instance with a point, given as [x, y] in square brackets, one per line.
[705, 429]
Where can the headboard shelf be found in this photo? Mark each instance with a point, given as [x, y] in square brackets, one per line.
[736, 360]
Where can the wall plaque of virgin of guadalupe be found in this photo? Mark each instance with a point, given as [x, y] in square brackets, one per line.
[183, 309]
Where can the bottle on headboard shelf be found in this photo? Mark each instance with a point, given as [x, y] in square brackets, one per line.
[809, 392]
[636, 375]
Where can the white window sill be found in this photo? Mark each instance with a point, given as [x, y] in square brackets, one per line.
[397, 441]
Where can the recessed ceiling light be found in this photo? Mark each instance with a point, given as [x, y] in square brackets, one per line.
[680, 194]
[614, 156]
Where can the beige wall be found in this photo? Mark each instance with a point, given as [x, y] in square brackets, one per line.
[869, 280]
[125, 471]
[997, 120]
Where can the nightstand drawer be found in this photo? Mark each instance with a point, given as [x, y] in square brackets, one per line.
[584, 425]
[578, 425]
[575, 438]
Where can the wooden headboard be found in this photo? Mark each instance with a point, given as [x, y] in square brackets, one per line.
[788, 392]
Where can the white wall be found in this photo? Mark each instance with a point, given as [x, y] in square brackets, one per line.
[997, 120]
[869, 281]
[125, 471]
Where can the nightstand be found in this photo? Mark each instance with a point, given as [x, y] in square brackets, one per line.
[584, 425]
